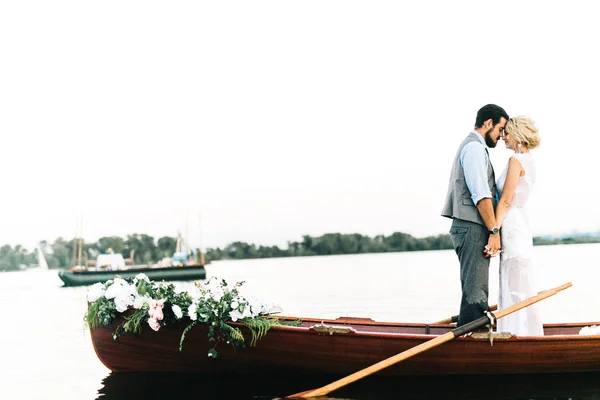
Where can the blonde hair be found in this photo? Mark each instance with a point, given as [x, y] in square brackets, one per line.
[523, 131]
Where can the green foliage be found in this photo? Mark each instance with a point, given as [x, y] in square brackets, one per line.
[185, 331]
[117, 244]
[331, 244]
[231, 334]
[147, 250]
[258, 327]
[575, 239]
[100, 312]
[166, 246]
[216, 304]
[133, 323]
[11, 259]
[212, 353]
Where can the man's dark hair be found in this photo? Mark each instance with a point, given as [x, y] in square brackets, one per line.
[490, 111]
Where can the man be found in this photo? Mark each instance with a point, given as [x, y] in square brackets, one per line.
[470, 202]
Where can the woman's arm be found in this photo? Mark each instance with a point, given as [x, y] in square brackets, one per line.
[515, 170]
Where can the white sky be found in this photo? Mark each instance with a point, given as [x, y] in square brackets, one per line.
[275, 119]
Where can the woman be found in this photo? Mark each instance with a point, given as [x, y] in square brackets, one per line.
[515, 186]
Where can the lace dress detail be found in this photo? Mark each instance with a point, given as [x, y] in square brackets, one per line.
[516, 280]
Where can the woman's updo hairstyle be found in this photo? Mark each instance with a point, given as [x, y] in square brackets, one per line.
[523, 131]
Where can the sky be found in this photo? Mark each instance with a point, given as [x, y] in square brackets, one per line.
[262, 121]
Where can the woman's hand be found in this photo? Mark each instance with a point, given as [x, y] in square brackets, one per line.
[493, 247]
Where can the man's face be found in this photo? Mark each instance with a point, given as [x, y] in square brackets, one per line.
[493, 134]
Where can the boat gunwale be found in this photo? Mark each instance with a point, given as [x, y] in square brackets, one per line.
[341, 321]
[338, 323]
[421, 336]
[139, 270]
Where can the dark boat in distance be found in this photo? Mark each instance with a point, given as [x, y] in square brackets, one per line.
[346, 345]
[181, 266]
[79, 277]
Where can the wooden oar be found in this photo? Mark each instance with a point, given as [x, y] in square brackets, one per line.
[428, 345]
[455, 317]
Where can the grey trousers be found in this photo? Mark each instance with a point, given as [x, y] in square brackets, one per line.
[469, 240]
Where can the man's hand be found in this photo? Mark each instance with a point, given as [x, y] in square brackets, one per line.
[493, 247]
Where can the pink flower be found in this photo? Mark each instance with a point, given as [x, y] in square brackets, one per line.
[155, 310]
[153, 324]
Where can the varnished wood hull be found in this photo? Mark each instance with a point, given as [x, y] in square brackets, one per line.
[79, 278]
[303, 350]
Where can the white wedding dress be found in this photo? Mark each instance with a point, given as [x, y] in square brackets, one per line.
[516, 280]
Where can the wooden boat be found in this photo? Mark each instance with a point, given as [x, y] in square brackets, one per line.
[78, 277]
[346, 345]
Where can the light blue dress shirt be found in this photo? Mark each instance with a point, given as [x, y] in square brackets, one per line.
[474, 160]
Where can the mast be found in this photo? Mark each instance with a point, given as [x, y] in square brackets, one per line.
[80, 238]
[187, 237]
[75, 243]
[201, 239]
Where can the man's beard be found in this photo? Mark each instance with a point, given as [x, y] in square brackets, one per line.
[488, 139]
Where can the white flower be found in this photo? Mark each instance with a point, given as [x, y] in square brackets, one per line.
[212, 289]
[234, 304]
[195, 295]
[123, 293]
[218, 295]
[141, 277]
[141, 301]
[192, 312]
[235, 315]
[247, 313]
[177, 311]
[259, 307]
[95, 292]
[118, 287]
[121, 303]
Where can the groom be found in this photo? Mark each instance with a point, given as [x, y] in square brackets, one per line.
[470, 203]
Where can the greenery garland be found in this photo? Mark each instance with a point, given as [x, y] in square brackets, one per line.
[215, 303]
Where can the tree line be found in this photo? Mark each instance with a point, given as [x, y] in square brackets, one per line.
[147, 250]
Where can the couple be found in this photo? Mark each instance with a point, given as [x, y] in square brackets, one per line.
[489, 218]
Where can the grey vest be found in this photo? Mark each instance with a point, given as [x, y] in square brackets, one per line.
[458, 200]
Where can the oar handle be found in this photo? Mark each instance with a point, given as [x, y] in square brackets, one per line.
[454, 318]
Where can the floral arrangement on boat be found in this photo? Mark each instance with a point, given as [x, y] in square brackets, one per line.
[215, 303]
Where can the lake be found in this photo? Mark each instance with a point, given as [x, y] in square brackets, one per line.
[47, 351]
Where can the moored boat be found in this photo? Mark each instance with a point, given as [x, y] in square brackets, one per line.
[346, 345]
[180, 267]
[78, 277]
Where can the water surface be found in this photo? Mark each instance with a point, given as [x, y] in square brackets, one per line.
[47, 352]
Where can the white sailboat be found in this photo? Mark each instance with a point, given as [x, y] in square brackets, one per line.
[42, 264]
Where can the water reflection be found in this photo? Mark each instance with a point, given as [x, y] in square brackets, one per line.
[131, 385]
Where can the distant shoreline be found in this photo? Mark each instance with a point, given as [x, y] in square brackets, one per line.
[148, 250]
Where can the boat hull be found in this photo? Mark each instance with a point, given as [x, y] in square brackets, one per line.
[310, 349]
[79, 278]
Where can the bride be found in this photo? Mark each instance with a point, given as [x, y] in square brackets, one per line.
[515, 185]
